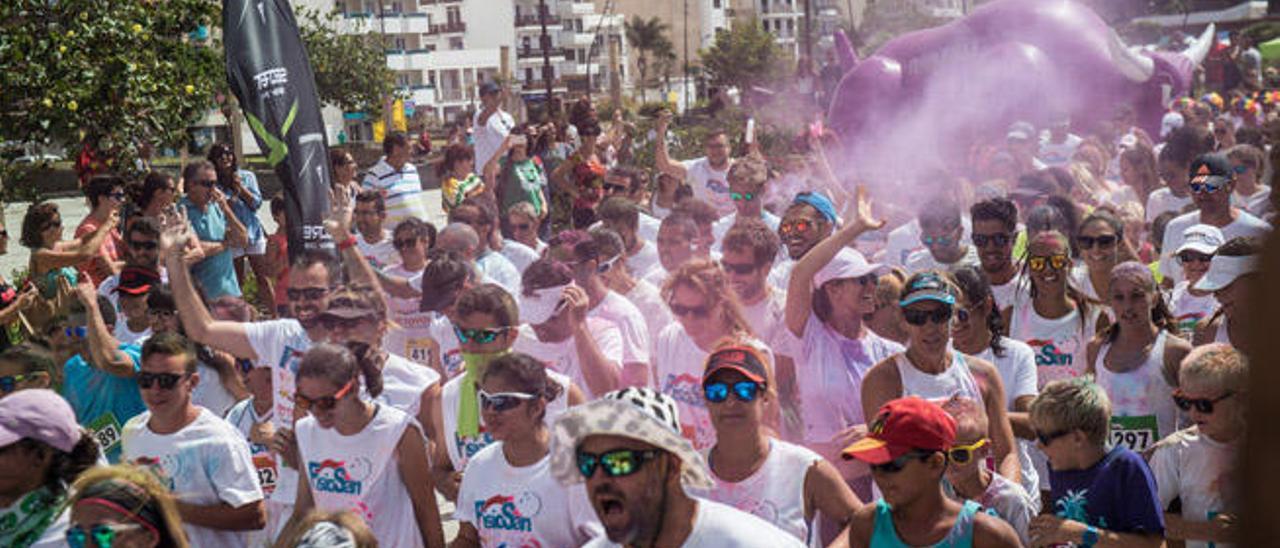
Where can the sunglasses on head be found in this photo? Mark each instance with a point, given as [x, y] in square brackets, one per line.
[962, 454]
[695, 311]
[742, 196]
[998, 240]
[145, 246]
[616, 463]
[165, 381]
[478, 336]
[740, 269]
[1046, 439]
[1039, 262]
[796, 227]
[502, 401]
[104, 534]
[1204, 188]
[324, 403]
[1103, 242]
[404, 243]
[718, 392]
[9, 383]
[918, 317]
[1202, 405]
[77, 332]
[896, 465]
[306, 293]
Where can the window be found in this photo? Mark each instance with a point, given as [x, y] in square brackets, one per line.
[453, 15]
[402, 80]
[528, 75]
[569, 54]
[455, 43]
[400, 44]
[715, 4]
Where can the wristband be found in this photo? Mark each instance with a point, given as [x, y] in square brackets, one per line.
[1090, 537]
[348, 243]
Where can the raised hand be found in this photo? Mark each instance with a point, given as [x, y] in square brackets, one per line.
[84, 290]
[175, 232]
[576, 304]
[858, 213]
[664, 120]
[341, 208]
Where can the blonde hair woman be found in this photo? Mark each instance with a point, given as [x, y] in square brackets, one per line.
[123, 506]
[320, 528]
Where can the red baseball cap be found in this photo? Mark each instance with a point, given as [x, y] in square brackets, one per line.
[741, 358]
[902, 426]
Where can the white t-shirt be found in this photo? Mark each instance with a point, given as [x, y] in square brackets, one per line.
[380, 254]
[403, 383]
[1017, 369]
[644, 260]
[922, 260]
[635, 332]
[210, 393]
[520, 255]
[499, 269]
[775, 491]
[243, 417]
[709, 184]
[721, 227]
[830, 369]
[523, 506]
[488, 137]
[127, 336]
[562, 357]
[905, 240]
[280, 345]
[1244, 225]
[1162, 200]
[462, 448]
[648, 299]
[767, 319]
[1190, 466]
[411, 337]
[1059, 154]
[206, 462]
[719, 525]
[441, 330]
[1005, 294]
[1258, 203]
[1189, 310]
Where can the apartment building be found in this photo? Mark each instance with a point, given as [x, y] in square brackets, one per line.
[578, 39]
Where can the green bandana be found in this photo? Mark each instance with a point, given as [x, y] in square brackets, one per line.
[26, 521]
[474, 365]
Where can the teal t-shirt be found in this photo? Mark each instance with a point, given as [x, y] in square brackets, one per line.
[103, 402]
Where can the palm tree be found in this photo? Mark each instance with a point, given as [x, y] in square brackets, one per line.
[650, 39]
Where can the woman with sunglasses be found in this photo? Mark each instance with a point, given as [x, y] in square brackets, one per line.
[361, 455]
[831, 289]
[1136, 359]
[507, 496]
[930, 369]
[1192, 306]
[968, 477]
[123, 506]
[706, 310]
[410, 335]
[344, 171]
[1101, 242]
[42, 451]
[779, 482]
[25, 366]
[51, 256]
[152, 196]
[977, 330]
[1198, 464]
[485, 325]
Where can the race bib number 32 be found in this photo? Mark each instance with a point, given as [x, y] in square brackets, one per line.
[1136, 433]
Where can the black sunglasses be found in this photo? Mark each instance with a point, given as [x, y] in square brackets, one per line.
[896, 465]
[695, 311]
[146, 246]
[1046, 439]
[1087, 242]
[521, 226]
[208, 183]
[998, 240]
[333, 322]
[324, 403]
[920, 317]
[166, 381]
[404, 243]
[1193, 257]
[1203, 405]
[306, 293]
[740, 269]
[616, 463]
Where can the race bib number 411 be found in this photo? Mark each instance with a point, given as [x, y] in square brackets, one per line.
[1136, 433]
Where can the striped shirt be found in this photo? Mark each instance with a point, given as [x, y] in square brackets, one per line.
[401, 189]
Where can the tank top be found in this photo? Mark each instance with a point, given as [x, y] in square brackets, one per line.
[775, 492]
[460, 448]
[956, 380]
[1059, 343]
[360, 473]
[886, 536]
[1142, 408]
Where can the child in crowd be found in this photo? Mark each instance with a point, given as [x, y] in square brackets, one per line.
[1191, 306]
[1196, 466]
[970, 479]
[1099, 496]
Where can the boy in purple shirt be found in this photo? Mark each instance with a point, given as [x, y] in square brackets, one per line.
[1099, 496]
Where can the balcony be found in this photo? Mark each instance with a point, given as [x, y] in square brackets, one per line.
[434, 2]
[532, 21]
[388, 23]
[413, 59]
[445, 95]
[452, 27]
[536, 53]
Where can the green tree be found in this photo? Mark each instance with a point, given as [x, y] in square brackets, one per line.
[114, 74]
[656, 51]
[351, 69]
[744, 55]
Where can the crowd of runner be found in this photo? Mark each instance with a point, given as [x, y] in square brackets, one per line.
[1045, 346]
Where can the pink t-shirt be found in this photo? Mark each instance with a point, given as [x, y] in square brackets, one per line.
[97, 267]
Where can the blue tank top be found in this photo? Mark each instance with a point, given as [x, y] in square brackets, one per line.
[961, 535]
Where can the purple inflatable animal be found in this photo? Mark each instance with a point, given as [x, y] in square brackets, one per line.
[924, 98]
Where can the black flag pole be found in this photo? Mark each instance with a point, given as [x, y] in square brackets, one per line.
[270, 73]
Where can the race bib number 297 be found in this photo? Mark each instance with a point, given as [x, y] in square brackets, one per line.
[1136, 433]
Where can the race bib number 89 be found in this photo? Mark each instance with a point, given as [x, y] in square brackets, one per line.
[1136, 433]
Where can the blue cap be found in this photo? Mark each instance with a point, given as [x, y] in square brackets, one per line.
[819, 202]
[927, 286]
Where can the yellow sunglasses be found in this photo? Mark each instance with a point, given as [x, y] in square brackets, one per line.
[962, 454]
[1038, 262]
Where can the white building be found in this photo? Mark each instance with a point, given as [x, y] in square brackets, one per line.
[784, 19]
[578, 38]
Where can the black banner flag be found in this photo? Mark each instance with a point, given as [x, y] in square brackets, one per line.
[268, 70]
